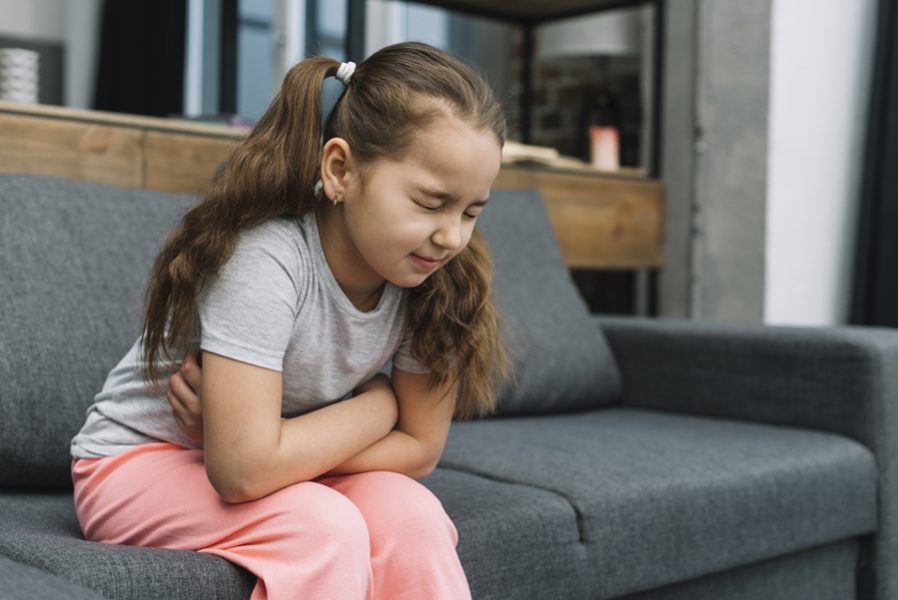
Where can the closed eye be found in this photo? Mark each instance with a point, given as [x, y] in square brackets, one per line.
[443, 199]
[478, 207]
[427, 206]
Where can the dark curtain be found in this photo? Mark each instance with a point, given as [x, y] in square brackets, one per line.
[875, 297]
[141, 68]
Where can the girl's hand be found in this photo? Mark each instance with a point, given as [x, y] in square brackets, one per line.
[184, 396]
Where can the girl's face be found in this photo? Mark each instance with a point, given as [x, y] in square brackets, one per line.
[415, 214]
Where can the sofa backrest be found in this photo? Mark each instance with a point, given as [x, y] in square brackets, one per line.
[74, 257]
[561, 359]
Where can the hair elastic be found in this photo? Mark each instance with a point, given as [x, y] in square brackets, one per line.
[344, 73]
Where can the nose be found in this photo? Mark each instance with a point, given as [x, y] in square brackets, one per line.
[448, 235]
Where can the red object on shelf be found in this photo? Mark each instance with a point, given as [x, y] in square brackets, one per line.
[604, 147]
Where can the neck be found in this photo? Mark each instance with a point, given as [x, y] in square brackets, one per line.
[358, 281]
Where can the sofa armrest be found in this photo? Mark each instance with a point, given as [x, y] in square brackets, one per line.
[838, 379]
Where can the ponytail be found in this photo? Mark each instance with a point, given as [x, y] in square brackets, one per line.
[270, 174]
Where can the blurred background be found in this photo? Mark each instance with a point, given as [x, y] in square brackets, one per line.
[772, 124]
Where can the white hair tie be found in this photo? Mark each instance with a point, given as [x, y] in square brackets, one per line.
[344, 73]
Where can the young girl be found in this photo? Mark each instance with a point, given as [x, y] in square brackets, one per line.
[313, 259]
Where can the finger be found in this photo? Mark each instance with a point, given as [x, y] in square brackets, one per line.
[173, 400]
[190, 358]
[192, 372]
[180, 411]
[174, 384]
[189, 430]
[179, 419]
[184, 393]
[193, 377]
[193, 431]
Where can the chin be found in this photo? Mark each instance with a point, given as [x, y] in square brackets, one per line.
[409, 281]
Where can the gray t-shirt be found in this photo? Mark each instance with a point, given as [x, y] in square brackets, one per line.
[275, 304]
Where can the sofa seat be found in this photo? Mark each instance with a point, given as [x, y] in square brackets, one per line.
[582, 505]
[41, 530]
[661, 498]
[494, 519]
[21, 582]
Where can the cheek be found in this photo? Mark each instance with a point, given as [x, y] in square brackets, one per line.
[467, 233]
[388, 237]
[411, 229]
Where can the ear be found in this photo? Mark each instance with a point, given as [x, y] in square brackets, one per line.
[336, 167]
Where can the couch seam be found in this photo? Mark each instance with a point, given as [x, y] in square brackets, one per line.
[490, 477]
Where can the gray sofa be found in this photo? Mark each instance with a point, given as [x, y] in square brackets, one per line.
[636, 459]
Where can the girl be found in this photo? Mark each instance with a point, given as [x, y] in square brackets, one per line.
[314, 258]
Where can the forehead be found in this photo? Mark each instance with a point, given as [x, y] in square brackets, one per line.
[454, 156]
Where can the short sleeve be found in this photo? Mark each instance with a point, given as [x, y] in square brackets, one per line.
[248, 309]
[403, 358]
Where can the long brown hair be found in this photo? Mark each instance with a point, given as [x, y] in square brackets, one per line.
[393, 94]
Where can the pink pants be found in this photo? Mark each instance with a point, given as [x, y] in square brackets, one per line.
[368, 535]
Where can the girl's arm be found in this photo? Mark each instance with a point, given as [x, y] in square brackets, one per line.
[251, 452]
[415, 446]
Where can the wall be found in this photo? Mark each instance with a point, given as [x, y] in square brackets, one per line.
[33, 19]
[763, 126]
[715, 159]
[822, 54]
[678, 157]
[82, 34]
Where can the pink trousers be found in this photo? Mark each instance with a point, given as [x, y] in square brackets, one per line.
[369, 535]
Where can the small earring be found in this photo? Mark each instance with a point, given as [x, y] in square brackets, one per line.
[337, 199]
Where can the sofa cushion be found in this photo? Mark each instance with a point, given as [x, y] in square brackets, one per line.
[826, 573]
[21, 582]
[511, 536]
[663, 498]
[74, 258]
[41, 530]
[562, 361]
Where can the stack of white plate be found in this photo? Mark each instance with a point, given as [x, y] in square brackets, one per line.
[18, 75]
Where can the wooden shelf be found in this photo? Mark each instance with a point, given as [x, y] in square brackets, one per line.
[147, 152]
[601, 220]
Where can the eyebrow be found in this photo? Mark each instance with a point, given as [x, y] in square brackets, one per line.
[446, 197]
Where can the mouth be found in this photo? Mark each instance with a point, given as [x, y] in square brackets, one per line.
[427, 263]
